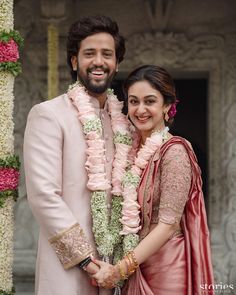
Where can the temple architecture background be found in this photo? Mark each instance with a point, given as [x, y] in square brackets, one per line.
[188, 37]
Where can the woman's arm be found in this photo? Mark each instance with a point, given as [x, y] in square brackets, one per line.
[175, 184]
[154, 241]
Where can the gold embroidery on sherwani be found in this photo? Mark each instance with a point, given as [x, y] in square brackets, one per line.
[71, 246]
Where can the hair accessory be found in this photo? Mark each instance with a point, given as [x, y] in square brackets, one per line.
[172, 111]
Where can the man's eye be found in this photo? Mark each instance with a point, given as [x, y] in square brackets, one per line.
[108, 54]
[88, 54]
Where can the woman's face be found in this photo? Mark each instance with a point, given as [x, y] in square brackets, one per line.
[146, 108]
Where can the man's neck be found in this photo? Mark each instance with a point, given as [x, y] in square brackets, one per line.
[100, 97]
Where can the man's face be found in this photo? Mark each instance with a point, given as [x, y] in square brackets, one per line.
[96, 62]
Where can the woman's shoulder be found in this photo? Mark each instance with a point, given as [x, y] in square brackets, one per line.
[175, 147]
[174, 141]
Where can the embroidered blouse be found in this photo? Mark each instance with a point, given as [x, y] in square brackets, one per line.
[171, 186]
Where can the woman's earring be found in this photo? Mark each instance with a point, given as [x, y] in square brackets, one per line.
[166, 116]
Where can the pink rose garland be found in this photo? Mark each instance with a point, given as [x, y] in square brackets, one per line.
[9, 179]
[9, 51]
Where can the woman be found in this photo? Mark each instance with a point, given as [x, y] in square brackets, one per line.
[173, 254]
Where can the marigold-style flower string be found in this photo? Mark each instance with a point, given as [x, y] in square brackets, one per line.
[106, 230]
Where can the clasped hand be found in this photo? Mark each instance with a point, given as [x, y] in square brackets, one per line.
[107, 276]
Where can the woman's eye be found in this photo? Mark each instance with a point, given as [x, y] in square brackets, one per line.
[148, 102]
[133, 101]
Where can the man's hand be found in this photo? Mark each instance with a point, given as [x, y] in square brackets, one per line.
[92, 268]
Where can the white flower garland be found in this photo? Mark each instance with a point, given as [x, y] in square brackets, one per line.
[106, 231]
[6, 149]
[131, 180]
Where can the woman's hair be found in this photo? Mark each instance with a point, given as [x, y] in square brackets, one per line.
[88, 26]
[158, 78]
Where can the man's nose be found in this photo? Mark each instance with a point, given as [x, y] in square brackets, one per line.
[98, 60]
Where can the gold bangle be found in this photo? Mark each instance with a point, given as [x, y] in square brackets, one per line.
[133, 264]
[129, 266]
[121, 271]
[134, 259]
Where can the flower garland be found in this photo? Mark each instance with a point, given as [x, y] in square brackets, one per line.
[106, 232]
[9, 178]
[130, 210]
[10, 40]
[9, 51]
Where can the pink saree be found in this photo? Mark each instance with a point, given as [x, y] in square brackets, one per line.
[184, 262]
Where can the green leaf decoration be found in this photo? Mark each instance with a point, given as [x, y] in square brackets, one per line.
[13, 67]
[11, 161]
[15, 35]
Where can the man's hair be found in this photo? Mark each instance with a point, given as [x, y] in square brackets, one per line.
[88, 26]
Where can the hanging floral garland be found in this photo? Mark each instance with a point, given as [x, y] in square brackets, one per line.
[106, 230]
[10, 41]
[9, 52]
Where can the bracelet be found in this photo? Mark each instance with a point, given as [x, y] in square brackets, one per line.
[132, 263]
[129, 264]
[84, 263]
[121, 271]
[134, 259]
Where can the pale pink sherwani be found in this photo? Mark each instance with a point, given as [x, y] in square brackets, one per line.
[54, 160]
[170, 191]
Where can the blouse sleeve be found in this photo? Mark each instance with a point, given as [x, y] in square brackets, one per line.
[175, 184]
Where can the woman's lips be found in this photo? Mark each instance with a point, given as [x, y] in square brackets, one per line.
[143, 119]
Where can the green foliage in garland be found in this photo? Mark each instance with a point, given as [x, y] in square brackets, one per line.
[15, 35]
[6, 194]
[12, 292]
[11, 161]
[13, 67]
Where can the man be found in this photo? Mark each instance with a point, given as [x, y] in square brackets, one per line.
[55, 159]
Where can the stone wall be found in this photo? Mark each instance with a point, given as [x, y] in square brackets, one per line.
[187, 36]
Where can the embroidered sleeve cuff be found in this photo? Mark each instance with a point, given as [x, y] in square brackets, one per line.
[71, 246]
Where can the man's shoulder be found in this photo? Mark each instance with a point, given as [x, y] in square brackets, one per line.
[58, 105]
[52, 103]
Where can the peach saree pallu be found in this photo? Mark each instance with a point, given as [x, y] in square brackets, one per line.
[183, 263]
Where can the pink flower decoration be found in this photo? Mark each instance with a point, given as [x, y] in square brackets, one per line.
[9, 178]
[9, 51]
[172, 111]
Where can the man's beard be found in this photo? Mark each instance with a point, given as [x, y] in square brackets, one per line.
[96, 88]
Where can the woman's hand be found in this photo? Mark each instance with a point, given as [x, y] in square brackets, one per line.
[108, 275]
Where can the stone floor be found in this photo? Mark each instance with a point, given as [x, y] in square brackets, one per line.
[24, 285]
